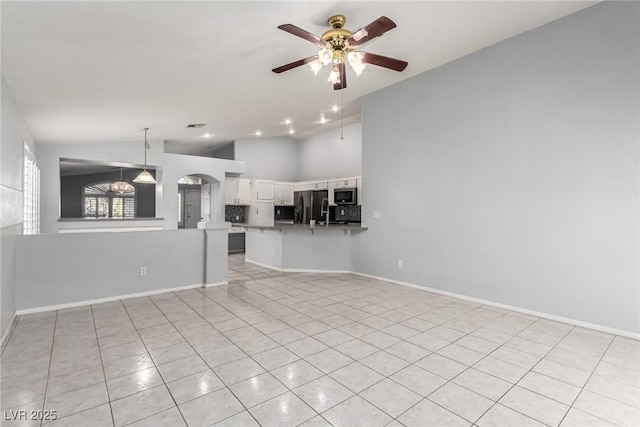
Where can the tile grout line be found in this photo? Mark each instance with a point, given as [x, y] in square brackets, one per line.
[198, 353]
[587, 381]
[46, 387]
[155, 367]
[104, 374]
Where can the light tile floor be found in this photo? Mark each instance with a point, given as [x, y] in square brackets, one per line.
[274, 349]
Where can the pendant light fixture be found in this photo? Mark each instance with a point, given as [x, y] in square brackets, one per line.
[121, 186]
[145, 177]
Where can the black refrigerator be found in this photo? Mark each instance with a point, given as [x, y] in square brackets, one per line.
[308, 205]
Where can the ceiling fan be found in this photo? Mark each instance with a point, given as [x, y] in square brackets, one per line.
[339, 46]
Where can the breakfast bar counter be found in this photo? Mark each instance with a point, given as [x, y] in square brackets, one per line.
[301, 247]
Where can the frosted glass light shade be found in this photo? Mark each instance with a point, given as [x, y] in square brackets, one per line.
[144, 178]
[121, 187]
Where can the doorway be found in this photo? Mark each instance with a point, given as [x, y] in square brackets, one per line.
[189, 205]
[192, 208]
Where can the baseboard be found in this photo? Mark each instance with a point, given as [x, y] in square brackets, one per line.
[263, 265]
[297, 270]
[107, 299]
[8, 332]
[211, 285]
[561, 319]
[306, 270]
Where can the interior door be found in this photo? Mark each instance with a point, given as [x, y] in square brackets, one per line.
[192, 208]
[205, 200]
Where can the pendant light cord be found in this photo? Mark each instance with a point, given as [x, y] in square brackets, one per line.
[146, 145]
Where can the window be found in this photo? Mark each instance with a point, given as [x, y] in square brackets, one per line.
[100, 202]
[31, 193]
[190, 180]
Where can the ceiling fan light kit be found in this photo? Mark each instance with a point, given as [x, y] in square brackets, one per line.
[338, 46]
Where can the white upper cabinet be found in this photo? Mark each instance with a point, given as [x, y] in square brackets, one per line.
[346, 183]
[283, 193]
[244, 192]
[263, 189]
[320, 185]
[313, 185]
[237, 191]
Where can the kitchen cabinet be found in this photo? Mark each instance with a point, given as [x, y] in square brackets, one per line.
[320, 185]
[261, 213]
[332, 186]
[315, 185]
[237, 191]
[263, 189]
[346, 183]
[283, 194]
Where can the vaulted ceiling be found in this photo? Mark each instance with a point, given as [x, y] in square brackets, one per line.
[98, 71]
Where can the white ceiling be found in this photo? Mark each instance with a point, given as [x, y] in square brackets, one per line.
[92, 71]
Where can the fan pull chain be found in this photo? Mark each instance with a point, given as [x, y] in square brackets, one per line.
[342, 115]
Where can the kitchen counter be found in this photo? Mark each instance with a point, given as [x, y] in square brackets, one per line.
[301, 247]
[284, 226]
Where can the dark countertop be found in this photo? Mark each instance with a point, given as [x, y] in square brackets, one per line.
[289, 226]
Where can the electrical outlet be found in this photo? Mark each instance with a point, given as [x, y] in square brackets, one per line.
[400, 263]
[342, 212]
[375, 214]
[143, 271]
[278, 211]
[273, 252]
[237, 217]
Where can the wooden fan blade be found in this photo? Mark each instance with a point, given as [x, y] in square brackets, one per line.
[343, 78]
[297, 31]
[384, 61]
[371, 31]
[295, 64]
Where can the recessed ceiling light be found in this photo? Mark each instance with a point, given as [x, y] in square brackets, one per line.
[291, 131]
[287, 121]
[207, 135]
[323, 119]
[258, 133]
[335, 108]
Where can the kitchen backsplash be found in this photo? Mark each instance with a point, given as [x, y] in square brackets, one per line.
[352, 213]
[283, 213]
[231, 212]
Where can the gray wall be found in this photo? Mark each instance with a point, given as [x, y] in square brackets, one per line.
[320, 156]
[226, 151]
[511, 174]
[14, 133]
[268, 158]
[327, 156]
[85, 266]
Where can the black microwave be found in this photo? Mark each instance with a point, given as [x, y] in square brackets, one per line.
[345, 196]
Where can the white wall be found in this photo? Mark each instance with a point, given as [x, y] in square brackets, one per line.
[169, 168]
[49, 156]
[269, 158]
[14, 133]
[512, 174]
[54, 269]
[213, 170]
[327, 156]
